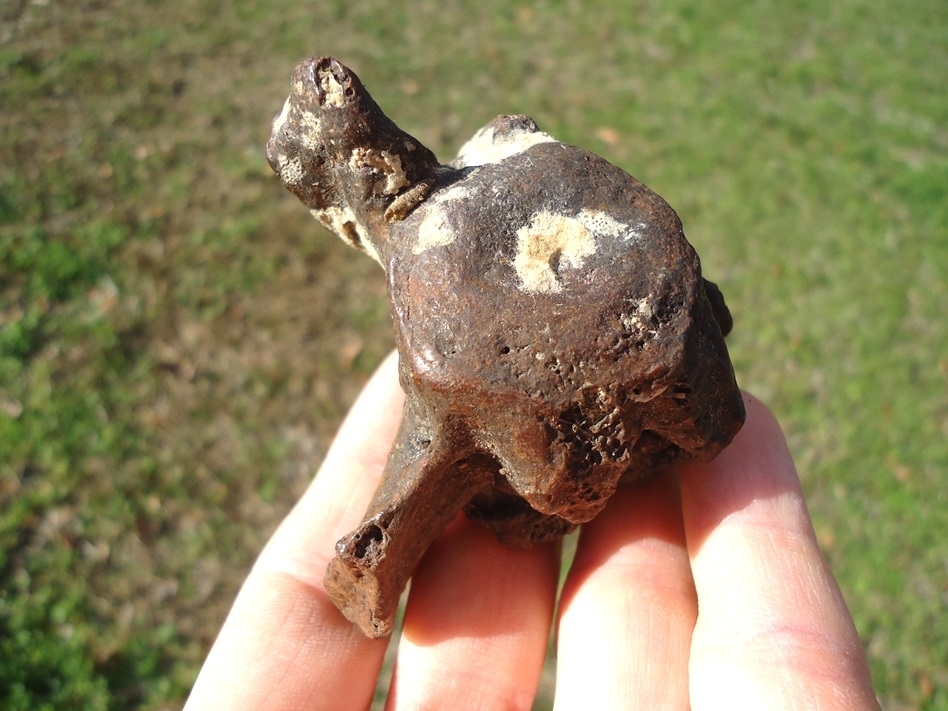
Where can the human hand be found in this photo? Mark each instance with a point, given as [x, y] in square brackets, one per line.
[701, 589]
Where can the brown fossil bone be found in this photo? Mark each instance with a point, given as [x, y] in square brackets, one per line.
[555, 334]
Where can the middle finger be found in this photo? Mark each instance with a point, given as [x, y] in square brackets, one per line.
[476, 624]
[628, 606]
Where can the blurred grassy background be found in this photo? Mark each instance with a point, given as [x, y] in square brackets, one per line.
[178, 339]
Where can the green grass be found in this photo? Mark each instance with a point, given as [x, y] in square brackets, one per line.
[178, 340]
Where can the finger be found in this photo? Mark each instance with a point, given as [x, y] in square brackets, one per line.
[336, 501]
[284, 644]
[477, 623]
[628, 606]
[773, 629]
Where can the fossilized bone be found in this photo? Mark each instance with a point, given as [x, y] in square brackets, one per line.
[554, 332]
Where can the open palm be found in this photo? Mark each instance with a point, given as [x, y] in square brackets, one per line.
[701, 589]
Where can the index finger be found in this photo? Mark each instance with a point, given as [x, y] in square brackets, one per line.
[284, 644]
[773, 630]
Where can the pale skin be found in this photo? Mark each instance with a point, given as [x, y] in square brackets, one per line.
[703, 589]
